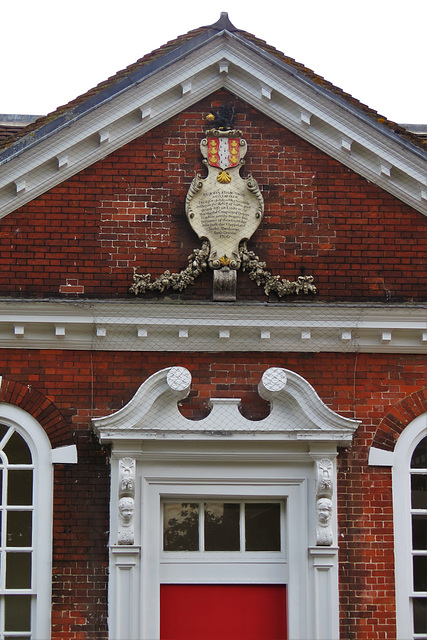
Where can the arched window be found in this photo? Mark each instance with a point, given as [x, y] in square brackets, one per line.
[25, 526]
[410, 526]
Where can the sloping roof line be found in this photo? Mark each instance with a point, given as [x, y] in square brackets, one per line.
[180, 73]
[160, 57]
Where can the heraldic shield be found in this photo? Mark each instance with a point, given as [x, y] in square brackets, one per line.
[224, 208]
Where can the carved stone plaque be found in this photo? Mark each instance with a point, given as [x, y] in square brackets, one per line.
[224, 208]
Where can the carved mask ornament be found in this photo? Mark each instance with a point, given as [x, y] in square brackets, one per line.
[224, 210]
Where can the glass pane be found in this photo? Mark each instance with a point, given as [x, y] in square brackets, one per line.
[419, 491]
[3, 430]
[18, 571]
[17, 613]
[420, 615]
[181, 526]
[419, 457]
[262, 522]
[222, 531]
[20, 486]
[17, 450]
[419, 532]
[19, 528]
[420, 573]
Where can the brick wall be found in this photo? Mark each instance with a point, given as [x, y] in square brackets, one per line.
[79, 385]
[85, 236]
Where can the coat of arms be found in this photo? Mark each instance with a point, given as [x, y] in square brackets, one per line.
[224, 210]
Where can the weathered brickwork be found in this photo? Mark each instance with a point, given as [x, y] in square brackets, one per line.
[85, 237]
[64, 389]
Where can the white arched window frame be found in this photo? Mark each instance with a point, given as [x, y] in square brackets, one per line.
[17, 420]
[400, 461]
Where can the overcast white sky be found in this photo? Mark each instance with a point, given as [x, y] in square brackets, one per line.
[52, 51]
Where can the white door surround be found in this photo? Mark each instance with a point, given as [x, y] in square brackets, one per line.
[289, 456]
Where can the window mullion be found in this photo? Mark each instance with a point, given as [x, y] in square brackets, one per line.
[242, 528]
[202, 526]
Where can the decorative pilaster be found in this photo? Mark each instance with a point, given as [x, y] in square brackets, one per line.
[324, 490]
[126, 503]
[326, 609]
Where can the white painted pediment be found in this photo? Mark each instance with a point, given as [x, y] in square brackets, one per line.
[296, 413]
[176, 80]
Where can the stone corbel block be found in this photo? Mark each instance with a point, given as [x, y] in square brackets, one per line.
[145, 112]
[305, 118]
[186, 87]
[20, 186]
[266, 92]
[63, 160]
[346, 144]
[223, 66]
[385, 169]
[104, 136]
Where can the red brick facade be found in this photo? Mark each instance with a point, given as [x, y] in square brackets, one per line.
[66, 384]
[83, 238]
[88, 234]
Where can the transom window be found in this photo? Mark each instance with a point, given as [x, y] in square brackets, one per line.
[16, 535]
[222, 526]
[418, 472]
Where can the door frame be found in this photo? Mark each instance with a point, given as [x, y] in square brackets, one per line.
[290, 454]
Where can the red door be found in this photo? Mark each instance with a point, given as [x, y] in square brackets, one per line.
[223, 612]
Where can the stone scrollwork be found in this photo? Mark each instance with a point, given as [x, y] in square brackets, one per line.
[126, 504]
[324, 487]
[324, 490]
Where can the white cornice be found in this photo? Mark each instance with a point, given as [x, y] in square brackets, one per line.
[251, 73]
[210, 327]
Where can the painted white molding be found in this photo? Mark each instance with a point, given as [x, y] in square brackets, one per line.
[65, 455]
[297, 413]
[380, 457]
[107, 325]
[325, 565]
[41, 452]
[405, 445]
[176, 457]
[289, 98]
[124, 592]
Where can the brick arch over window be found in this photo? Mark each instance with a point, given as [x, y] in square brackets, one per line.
[398, 418]
[39, 407]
